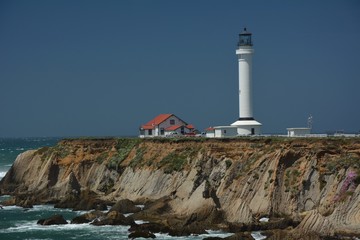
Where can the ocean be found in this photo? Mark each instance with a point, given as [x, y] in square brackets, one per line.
[20, 223]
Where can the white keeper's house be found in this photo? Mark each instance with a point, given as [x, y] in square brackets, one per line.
[165, 125]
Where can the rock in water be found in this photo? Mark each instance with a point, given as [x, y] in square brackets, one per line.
[54, 220]
[141, 234]
[113, 218]
[87, 217]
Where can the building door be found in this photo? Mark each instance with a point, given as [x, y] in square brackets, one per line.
[182, 130]
[252, 131]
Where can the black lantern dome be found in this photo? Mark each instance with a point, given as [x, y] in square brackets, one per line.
[245, 38]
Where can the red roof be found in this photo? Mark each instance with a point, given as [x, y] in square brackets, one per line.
[173, 128]
[190, 126]
[147, 127]
[210, 129]
[156, 121]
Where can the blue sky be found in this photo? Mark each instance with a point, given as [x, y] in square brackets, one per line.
[103, 68]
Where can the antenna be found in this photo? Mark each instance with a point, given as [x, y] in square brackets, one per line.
[310, 121]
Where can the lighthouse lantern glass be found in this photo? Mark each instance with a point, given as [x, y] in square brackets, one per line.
[245, 40]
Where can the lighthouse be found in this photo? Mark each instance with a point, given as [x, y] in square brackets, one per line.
[246, 124]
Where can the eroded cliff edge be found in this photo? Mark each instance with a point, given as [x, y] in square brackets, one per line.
[312, 181]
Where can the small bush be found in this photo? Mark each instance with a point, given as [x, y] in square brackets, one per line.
[228, 163]
[173, 162]
[102, 157]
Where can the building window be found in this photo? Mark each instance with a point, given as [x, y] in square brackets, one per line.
[224, 131]
[162, 131]
[142, 131]
[150, 132]
[172, 121]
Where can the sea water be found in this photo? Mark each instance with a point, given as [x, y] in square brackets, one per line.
[21, 223]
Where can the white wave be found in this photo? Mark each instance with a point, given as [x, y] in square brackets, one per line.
[2, 174]
[11, 208]
[141, 222]
[8, 165]
[32, 226]
[42, 208]
[211, 233]
[164, 236]
[140, 206]
[257, 235]
[27, 226]
[20, 149]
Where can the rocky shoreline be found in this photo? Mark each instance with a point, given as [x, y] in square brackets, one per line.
[305, 187]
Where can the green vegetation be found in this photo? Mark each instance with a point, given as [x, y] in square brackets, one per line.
[123, 147]
[247, 163]
[59, 151]
[173, 162]
[228, 163]
[113, 162]
[291, 181]
[343, 162]
[102, 157]
[42, 150]
[138, 157]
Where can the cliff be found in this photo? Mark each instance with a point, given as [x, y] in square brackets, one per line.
[314, 182]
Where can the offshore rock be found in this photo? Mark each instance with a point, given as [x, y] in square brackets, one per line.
[150, 227]
[113, 218]
[141, 234]
[53, 220]
[196, 183]
[87, 217]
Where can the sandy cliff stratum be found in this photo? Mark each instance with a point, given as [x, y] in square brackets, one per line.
[231, 183]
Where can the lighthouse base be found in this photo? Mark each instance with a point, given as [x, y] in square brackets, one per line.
[238, 128]
[247, 127]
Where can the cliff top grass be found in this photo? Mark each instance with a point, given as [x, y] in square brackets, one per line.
[265, 139]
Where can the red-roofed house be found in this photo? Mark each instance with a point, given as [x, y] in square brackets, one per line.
[164, 125]
[210, 132]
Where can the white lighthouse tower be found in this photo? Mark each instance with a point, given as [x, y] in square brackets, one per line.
[246, 125]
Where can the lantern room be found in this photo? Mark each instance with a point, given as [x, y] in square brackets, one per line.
[245, 38]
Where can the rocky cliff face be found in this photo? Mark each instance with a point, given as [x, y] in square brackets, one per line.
[312, 181]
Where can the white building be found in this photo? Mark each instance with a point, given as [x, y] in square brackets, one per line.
[301, 131]
[165, 125]
[210, 132]
[225, 131]
[246, 124]
[298, 132]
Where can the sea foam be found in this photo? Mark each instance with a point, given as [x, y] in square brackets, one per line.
[258, 236]
[2, 174]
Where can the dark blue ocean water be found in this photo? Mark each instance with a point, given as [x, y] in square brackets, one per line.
[20, 223]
